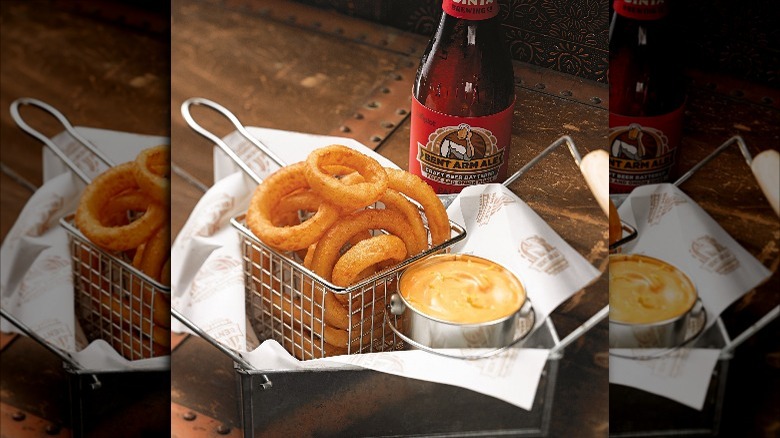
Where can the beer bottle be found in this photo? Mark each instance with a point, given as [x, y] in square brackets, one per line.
[646, 95]
[463, 100]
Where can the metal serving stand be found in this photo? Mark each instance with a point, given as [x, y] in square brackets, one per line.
[113, 301]
[633, 412]
[390, 405]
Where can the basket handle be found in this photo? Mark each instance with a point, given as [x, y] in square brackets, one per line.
[17, 117]
[199, 101]
[764, 167]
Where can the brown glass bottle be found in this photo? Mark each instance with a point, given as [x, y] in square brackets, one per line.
[646, 95]
[463, 98]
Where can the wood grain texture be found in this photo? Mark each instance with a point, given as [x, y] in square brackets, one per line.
[98, 73]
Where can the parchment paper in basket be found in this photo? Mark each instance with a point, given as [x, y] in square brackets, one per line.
[36, 275]
[672, 227]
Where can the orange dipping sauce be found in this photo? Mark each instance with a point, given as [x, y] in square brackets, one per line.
[462, 289]
[646, 290]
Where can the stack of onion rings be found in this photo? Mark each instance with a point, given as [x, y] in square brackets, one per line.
[125, 211]
[327, 210]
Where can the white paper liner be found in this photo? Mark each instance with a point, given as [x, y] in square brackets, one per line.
[206, 265]
[673, 228]
[36, 273]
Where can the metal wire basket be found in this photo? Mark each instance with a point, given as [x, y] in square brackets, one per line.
[287, 302]
[114, 301]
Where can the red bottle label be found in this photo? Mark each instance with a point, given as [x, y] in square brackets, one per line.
[642, 149]
[450, 152]
[471, 9]
[641, 9]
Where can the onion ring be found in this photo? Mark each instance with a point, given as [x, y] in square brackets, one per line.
[327, 252]
[365, 254]
[152, 172]
[333, 190]
[155, 253]
[395, 201]
[267, 195]
[104, 187]
[416, 189]
[115, 212]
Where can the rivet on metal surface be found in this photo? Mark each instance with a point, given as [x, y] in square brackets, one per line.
[387, 125]
[566, 93]
[189, 416]
[53, 429]
[595, 100]
[401, 111]
[223, 430]
[344, 128]
[18, 416]
[373, 104]
[539, 86]
[358, 116]
[376, 138]
[385, 90]
[398, 77]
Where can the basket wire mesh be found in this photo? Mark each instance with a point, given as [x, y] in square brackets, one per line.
[289, 303]
[113, 300]
[116, 302]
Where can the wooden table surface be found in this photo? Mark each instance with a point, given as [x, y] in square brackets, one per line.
[287, 66]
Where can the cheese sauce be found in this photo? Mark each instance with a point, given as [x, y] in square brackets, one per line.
[645, 290]
[462, 289]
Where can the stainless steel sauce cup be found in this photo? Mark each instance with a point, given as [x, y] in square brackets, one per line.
[667, 333]
[428, 331]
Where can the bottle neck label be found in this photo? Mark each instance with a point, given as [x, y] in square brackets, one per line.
[641, 9]
[452, 152]
[642, 150]
[471, 9]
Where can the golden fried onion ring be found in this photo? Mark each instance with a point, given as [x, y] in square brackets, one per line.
[269, 194]
[152, 172]
[103, 188]
[365, 254]
[333, 190]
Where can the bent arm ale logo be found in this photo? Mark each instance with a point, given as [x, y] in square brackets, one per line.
[642, 149]
[454, 152]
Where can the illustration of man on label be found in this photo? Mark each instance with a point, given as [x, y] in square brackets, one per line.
[636, 142]
[451, 149]
[634, 150]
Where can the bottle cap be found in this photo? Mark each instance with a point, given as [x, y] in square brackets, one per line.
[471, 9]
[641, 9]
